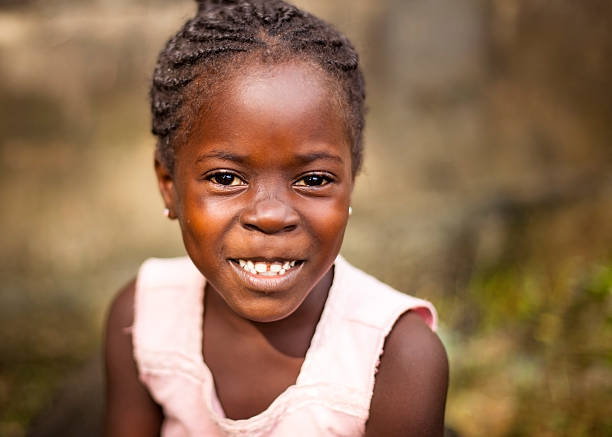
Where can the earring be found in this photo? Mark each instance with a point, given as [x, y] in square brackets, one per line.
[350, 210]
[167, 212]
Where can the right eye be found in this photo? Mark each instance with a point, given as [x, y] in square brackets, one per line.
[226, 179]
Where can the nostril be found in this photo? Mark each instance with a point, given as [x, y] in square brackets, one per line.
[267, 229]
[251, 227]
[270, 216]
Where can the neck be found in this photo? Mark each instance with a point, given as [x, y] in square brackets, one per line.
[291, 335]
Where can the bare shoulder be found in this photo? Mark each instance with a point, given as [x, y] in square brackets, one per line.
[130, 410]
[121, 312]
[411, 383]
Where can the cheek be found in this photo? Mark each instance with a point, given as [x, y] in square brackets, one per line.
[204, 221]
[329, 221]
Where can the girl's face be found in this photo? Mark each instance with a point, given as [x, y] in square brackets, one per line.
[262, 188]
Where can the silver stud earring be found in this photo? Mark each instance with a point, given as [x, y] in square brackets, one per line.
[167, 212]
[350, 210]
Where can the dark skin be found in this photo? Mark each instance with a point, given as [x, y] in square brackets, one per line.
[130, 410]
[242, 189]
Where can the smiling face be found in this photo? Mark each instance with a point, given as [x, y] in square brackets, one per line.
[262, 186]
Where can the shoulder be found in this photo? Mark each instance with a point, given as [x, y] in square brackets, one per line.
[121, 311]
[375, 303]
[168, 273]
[130, 410]
[411, 384]
[118, 339]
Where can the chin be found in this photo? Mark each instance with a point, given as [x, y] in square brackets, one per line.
[267, 312]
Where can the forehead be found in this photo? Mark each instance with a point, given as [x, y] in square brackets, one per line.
[292, 101]
[289, 87]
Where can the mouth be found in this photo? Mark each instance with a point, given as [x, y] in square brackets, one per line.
[266, 268]
[267, 276]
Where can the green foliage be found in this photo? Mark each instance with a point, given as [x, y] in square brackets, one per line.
[545, 326]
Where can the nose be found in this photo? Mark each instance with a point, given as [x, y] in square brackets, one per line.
[270, 216]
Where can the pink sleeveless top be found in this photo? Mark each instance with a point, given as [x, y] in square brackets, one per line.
[331, 396]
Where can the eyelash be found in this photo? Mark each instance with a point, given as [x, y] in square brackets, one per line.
[214, 178]
[326, 179]
[323, 179]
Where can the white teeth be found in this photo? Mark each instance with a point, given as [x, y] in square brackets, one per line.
[266, 269]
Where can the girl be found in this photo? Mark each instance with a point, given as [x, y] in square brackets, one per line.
[264, 330]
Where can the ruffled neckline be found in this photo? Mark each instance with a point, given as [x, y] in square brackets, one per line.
[266, 418]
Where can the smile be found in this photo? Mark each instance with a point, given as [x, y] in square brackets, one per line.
[266, 268]
[266, 276]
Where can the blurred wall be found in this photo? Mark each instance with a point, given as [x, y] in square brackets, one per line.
[486, 189]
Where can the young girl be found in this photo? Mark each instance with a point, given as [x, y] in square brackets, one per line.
[264, 330]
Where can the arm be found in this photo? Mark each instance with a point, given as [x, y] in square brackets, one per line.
[411, 383]
[130, 410]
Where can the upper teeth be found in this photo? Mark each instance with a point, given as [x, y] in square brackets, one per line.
[266, 268]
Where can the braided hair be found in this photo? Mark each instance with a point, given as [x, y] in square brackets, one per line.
[222, 35]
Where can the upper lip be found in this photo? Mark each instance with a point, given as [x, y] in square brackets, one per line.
[266, 259]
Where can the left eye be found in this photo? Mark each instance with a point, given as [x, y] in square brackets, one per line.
[226, 179]
[313, 180]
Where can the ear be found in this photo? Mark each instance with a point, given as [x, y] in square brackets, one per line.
[165, 182]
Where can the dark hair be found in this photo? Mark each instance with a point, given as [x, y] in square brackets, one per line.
[189, 66]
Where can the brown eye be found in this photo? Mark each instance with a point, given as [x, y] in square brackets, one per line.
[313, 180]
[226, 179]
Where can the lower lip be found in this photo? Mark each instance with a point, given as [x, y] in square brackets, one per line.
[267, 284]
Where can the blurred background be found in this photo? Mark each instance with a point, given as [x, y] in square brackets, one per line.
[487, 189]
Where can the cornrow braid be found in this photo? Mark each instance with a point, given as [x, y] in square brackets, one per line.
[223, 30]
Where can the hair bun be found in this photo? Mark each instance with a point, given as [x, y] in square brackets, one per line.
[205, 5]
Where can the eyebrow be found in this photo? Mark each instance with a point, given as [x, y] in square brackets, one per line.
[307, 158]
[222, 154]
